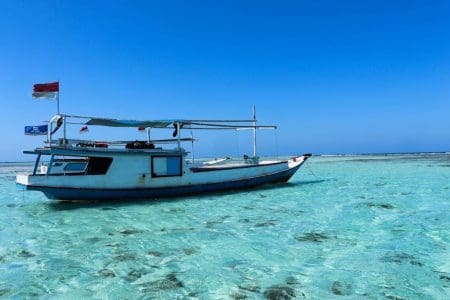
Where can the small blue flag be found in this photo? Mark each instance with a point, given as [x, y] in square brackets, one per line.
[36, 130]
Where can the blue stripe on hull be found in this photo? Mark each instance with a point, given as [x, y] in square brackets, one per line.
[116, 194]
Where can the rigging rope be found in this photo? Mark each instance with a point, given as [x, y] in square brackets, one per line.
[311, 171]
[276, 143]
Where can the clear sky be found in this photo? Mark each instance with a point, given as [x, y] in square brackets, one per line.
[336, 76]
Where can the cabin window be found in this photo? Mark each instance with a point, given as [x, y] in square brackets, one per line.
[75, 166]
[165, 166]
[98, 165]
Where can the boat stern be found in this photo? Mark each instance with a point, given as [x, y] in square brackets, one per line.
[23, 179]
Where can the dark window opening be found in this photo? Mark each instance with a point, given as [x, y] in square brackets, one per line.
[98, 165]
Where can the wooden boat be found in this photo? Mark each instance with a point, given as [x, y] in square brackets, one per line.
[90, 170]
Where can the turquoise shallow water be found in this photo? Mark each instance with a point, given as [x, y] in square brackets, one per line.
[375, 227]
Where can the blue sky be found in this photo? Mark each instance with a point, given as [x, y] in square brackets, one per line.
[336, 76]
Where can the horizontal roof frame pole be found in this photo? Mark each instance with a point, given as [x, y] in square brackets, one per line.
[231, 126]
[170, 120]
[222, 121]
[159, 141]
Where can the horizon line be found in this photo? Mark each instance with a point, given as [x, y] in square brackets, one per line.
[323, 154]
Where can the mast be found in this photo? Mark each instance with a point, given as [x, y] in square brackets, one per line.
[254, 131]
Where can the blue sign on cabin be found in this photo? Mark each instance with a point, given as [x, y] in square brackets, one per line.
[36, 130]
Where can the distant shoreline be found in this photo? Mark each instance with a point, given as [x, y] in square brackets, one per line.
[319, 155]
[387, 153]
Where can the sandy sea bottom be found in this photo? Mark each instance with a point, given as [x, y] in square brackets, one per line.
[374, 227]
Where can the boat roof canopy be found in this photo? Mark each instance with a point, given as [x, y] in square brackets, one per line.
[187, 124]
[129, 123]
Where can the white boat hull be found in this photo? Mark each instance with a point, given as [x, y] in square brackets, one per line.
[131, 179]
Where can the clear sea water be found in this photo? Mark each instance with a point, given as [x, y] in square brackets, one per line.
[363, 227]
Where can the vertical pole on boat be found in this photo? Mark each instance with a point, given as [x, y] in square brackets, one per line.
[192, 144]
[36, 163]
[50, 164]
[148, 135]
[49, 135]
[50, 129]
[179, 134]
[64, 137]
[254, 131]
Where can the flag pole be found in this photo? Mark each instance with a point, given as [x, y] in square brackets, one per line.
[57, 100]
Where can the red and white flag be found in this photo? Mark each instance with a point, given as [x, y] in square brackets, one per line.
[84, 129]
[46, 90]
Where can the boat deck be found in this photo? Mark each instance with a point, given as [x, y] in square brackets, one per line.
[216, 167]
